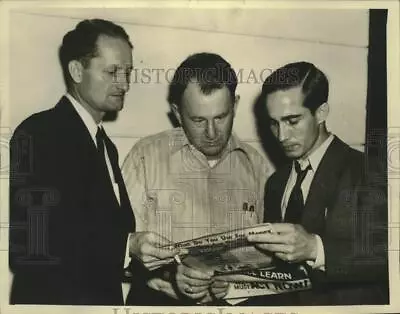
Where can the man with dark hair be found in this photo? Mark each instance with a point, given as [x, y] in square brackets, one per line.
[192, 181]
[81, 43]
[328, 206]
[314, 83]
[69, 210]
[210, 70]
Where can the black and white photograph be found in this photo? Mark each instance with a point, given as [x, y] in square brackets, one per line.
[199, 157]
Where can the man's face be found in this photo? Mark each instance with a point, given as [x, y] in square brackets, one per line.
[295, 127]
[106, 79]
[207, 119]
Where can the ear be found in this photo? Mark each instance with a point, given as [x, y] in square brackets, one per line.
[235, 103]
[75, 69]
[176, 112]
[322, 112]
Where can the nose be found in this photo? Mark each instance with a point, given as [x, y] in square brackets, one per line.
[282, 132]
[125, 87]
[211, 131]
[124, 81]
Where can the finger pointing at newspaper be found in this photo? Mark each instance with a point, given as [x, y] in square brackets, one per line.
[289, 242]
[152, 249]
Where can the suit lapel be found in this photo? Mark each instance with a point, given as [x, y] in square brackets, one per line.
[77, 135]
[274, 190]
[73, 128]
[324, 185]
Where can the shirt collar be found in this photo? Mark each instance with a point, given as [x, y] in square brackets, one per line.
[314, 159]
[87, 119]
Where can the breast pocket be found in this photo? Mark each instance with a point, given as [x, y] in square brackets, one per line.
[235, 208]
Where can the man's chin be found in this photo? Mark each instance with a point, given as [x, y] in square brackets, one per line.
[212, 153]
[115, 107]
[111, 115]
[116, 103]
[293, 154]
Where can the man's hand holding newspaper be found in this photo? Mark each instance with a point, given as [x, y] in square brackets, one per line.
[289, 242]
[152, 249]
[235, 264]
[198, 285]
[155, 251]
[249, 267]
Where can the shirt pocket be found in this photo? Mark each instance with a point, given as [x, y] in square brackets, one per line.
[235, 209]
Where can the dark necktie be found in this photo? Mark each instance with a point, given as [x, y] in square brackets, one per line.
[295, 204]
[100, 136]
[102, 140]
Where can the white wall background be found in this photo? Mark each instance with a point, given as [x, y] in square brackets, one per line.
[250, 39]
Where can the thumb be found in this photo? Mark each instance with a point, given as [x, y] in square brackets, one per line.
[159, 241]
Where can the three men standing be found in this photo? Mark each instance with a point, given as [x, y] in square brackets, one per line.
[72, 219]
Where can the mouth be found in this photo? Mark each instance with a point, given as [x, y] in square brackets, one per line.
[290, 147]
[118, 98]
[213, 143]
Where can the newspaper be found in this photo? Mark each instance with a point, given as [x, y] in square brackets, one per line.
[226, 252]
[265, 281]
[250, 271]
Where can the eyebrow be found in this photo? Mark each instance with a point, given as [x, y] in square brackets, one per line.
[222, 115]
[120, 67]
[292, 116]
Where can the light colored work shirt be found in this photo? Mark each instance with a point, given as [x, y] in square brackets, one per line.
[175, 192]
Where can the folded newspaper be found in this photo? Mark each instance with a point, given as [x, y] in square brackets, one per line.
[250, 271]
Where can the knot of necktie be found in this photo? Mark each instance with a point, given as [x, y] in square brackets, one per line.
[301, 174]
[295, 204]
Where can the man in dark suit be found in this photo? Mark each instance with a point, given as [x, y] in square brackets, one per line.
[327, 205]
[69, 211]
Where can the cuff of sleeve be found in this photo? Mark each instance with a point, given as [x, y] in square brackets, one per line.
[319, 262]
[127, 257]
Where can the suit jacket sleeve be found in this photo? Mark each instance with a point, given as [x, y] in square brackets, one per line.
[355, 238]
[34, 199]
[47, 249]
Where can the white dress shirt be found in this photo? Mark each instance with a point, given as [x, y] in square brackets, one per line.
[92, 126]
[314, 159]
